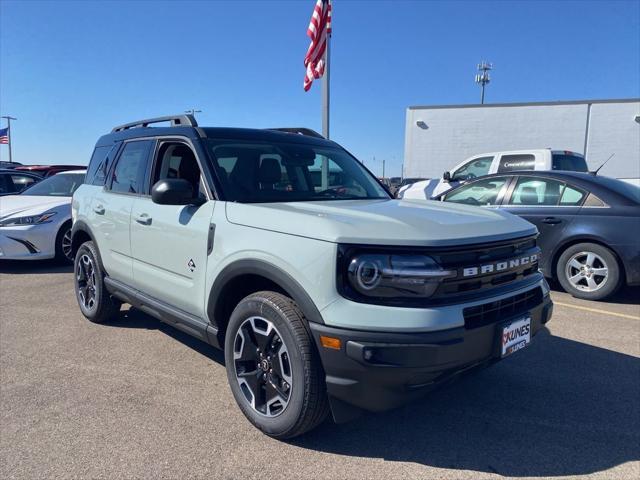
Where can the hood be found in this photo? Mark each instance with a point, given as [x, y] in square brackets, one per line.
[23, 205]
[383, 222]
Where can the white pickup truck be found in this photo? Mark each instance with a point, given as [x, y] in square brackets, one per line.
[496, 162]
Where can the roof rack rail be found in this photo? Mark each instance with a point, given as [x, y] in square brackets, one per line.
[298, 130]
[176, 121]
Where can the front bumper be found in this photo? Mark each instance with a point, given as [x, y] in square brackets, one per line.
[377, 371]
[28, 242]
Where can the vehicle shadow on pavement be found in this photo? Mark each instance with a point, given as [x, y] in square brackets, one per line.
[34, 266]
[134, 318]
[557, 408]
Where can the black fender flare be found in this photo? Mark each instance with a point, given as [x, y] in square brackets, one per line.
[78, 227]
[270, 272]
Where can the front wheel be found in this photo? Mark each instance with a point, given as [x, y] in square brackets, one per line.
[589, 271]
[273, 369]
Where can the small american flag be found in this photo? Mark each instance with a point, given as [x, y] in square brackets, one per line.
[4, 136]
[319, 31]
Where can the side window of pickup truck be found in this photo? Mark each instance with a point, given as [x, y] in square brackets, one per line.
[473, 169]
[130, 169]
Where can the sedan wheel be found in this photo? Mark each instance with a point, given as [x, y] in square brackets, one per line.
[67, 249]
[589, 271]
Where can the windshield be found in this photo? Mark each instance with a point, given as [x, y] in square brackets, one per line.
[284, 172]
[61, 185]
[569, 162]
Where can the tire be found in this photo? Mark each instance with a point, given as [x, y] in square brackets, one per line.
[64, 252]
[589, 271]
[94, 300]
[282, 356]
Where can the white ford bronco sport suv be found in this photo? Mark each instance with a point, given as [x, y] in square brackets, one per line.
[278, 246]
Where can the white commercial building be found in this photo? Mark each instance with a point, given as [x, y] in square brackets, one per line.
[439, 137]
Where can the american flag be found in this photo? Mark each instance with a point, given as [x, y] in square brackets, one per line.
[319, 31]
[4, 136]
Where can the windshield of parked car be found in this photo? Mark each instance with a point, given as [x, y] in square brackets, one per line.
[60, 185]
[255, 172]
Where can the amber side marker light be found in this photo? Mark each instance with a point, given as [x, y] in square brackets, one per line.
[330, 342]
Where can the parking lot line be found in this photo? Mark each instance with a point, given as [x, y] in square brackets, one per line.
[595, 310]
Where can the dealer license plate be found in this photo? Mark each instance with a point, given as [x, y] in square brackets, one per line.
[515, 336]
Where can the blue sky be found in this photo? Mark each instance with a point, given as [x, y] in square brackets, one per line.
[71, 70]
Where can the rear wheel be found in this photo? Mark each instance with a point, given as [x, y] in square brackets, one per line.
[589, 271]
[273, 369]
[64, 250]
[93, 298]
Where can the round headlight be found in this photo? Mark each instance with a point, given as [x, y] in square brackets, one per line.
[368, 275]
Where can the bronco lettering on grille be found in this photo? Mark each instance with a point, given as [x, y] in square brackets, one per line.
[503, 266]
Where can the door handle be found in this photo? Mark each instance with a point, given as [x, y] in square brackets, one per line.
[99, 209]
[551, 220]
[143, 219]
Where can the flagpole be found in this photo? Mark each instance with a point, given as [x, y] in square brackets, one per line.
[325, 90]
[9, 118]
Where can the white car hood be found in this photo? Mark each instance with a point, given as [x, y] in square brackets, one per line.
[383, 222]
[24, 205]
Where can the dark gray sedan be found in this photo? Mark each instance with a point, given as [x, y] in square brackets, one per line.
[589, 225]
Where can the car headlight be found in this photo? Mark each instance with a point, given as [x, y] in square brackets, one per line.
[30, 220]
[384, 277]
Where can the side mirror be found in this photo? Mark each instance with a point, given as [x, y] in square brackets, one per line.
[173, 191]
[446, 176]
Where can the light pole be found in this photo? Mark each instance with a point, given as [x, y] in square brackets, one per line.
[9, 118]
[483, 78]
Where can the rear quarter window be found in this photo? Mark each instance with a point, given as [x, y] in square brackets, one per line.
[99, 164]
[511, 163]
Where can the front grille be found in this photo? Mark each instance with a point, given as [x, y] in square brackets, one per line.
[492, 312]
[461, 287]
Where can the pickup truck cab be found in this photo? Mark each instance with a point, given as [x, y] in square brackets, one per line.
[324, 297]
[543, 159]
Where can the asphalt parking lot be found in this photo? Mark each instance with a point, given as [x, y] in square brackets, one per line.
[137, 399]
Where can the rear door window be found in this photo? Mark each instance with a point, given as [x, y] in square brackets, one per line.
[571, 196]
[511, 163]
[483, 192]
[130, 170]
[536, 192]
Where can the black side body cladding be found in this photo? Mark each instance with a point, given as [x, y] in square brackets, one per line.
[171, 315]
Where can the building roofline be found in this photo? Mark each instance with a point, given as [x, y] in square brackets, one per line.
[524, 104]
